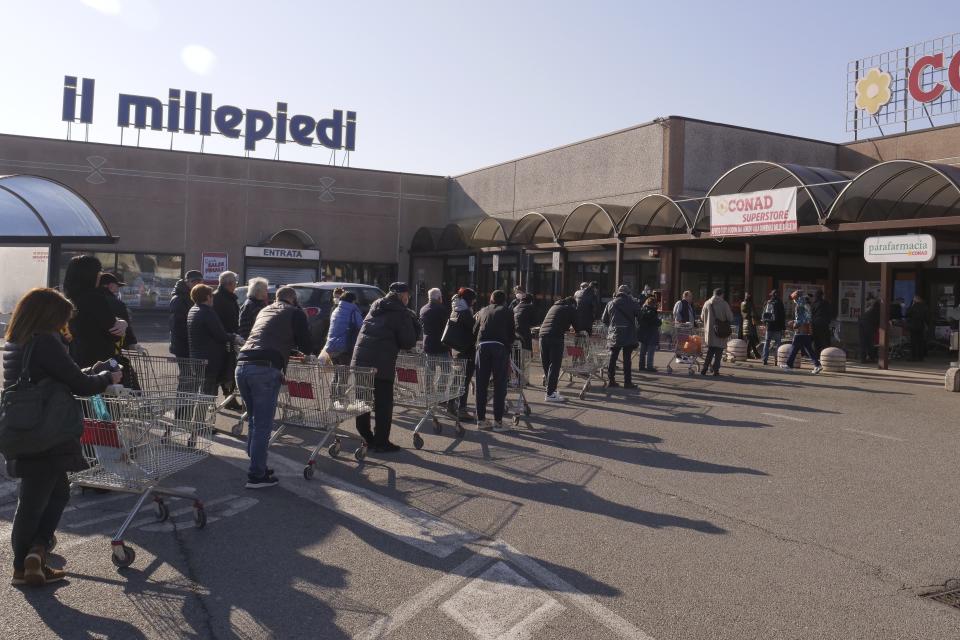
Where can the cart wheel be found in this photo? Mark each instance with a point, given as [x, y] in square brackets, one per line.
[460, 430]
[237, 429]
[526, 410]
[334, 449]
[199, 517]
[582, 393]
[52, 544]
[417, 441]
[122, 555]
[161, 510]
[437, 427]
[308, 471]
[360, 453]
[516, 421]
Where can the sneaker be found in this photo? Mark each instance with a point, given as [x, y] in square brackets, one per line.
[484, 425]
[33, 568]
[554, 397]
[498, 426]
[262, 483]
[817, 369]
[786, 367]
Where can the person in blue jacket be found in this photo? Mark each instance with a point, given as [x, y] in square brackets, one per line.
[345, 323]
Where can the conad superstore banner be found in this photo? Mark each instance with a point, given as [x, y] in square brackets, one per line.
[753, 214]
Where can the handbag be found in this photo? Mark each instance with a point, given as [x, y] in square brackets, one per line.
[456, 336]
[722, 329]
[37, 417]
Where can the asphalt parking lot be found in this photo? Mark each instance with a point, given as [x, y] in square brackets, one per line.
[759, 504]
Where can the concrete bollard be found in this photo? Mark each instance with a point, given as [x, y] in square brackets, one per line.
[951, 381]
[833, 360]
[736, 350]
[784, 352]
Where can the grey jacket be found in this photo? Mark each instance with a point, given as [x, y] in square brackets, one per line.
[715, 311]
[620, 316]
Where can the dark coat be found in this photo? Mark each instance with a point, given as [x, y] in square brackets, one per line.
[918, 316]
[779, 322]
[208, 340]
[494, 323]
[228, 309]
[588, 308]
[870, 318]
[821, 313]
[388, 328]
[248, 315]
[433, 317]
[561, 316]
[463, 315]
[90, 328]
[119, 309]
[180, 305]
[51, 360]
[523, 315]
[748, 320]
[620, 316]
[648, 323]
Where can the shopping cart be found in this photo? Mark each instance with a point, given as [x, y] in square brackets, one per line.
[166, 374]
[430, 384]
[132, 442]
[318, 398]
[519, 376]
[686, 344]
[585, 357]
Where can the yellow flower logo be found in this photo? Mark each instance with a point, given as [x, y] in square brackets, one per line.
[873, 90]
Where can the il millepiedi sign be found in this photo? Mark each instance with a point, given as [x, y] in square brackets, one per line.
[919, 82]
[190, 112]
[909, 248]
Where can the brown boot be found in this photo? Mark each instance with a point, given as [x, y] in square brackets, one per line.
[33, 567]
[17, 579]
[53, 575]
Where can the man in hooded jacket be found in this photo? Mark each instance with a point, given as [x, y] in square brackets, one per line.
[588, 303]
[388, 328]
[620, 316]
[180, 305]
[560, 317]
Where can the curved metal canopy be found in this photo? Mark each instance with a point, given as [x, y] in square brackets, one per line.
[590, 220]
[817, 188]
[491, 232]
[452, 238]
[425, 239]
[33, 208]
[899, 190]
[536, 228]
[657, 214]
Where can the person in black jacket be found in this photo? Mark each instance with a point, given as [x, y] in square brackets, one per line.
[279, 328]
[588, 302]
[208, 339]
[462, 314]
[523, 315]
[493, 332]
[36, 325]
[620, 316]
[560, 317]
[258, 295]
[110, 284]
[433, 318]
[918, 322]
[180, 305]
[821, 315]
[94, 327]
[388, 328]
[868, 324]
[774, 316]
[519, 293]
[227, 307]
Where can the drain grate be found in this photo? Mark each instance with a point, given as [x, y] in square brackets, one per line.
[950, 597]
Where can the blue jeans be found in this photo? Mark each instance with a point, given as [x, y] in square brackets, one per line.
[772, 336]
[259, 387]
[648, 347]
[803, 342]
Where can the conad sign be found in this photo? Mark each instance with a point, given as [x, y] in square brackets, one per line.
[910, 248]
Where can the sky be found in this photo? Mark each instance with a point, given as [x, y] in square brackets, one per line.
[448, 87]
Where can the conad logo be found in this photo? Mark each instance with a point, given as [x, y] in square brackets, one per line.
[873, 89]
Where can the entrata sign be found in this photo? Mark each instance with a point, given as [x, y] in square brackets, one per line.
[283, 254]
[752, 214]
[911, 248]
[189, 112]
[919, 82]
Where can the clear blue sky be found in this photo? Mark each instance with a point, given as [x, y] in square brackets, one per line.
[447, 87]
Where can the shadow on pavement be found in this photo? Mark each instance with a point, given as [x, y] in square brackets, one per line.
[67, 622]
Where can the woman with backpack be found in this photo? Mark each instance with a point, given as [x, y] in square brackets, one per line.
[40, 381]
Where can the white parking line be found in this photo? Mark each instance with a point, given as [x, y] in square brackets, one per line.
[427, 533]
[783, 417]
[875, 435]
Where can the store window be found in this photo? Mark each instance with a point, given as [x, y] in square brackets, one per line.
[373, 273]
[150, 277]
